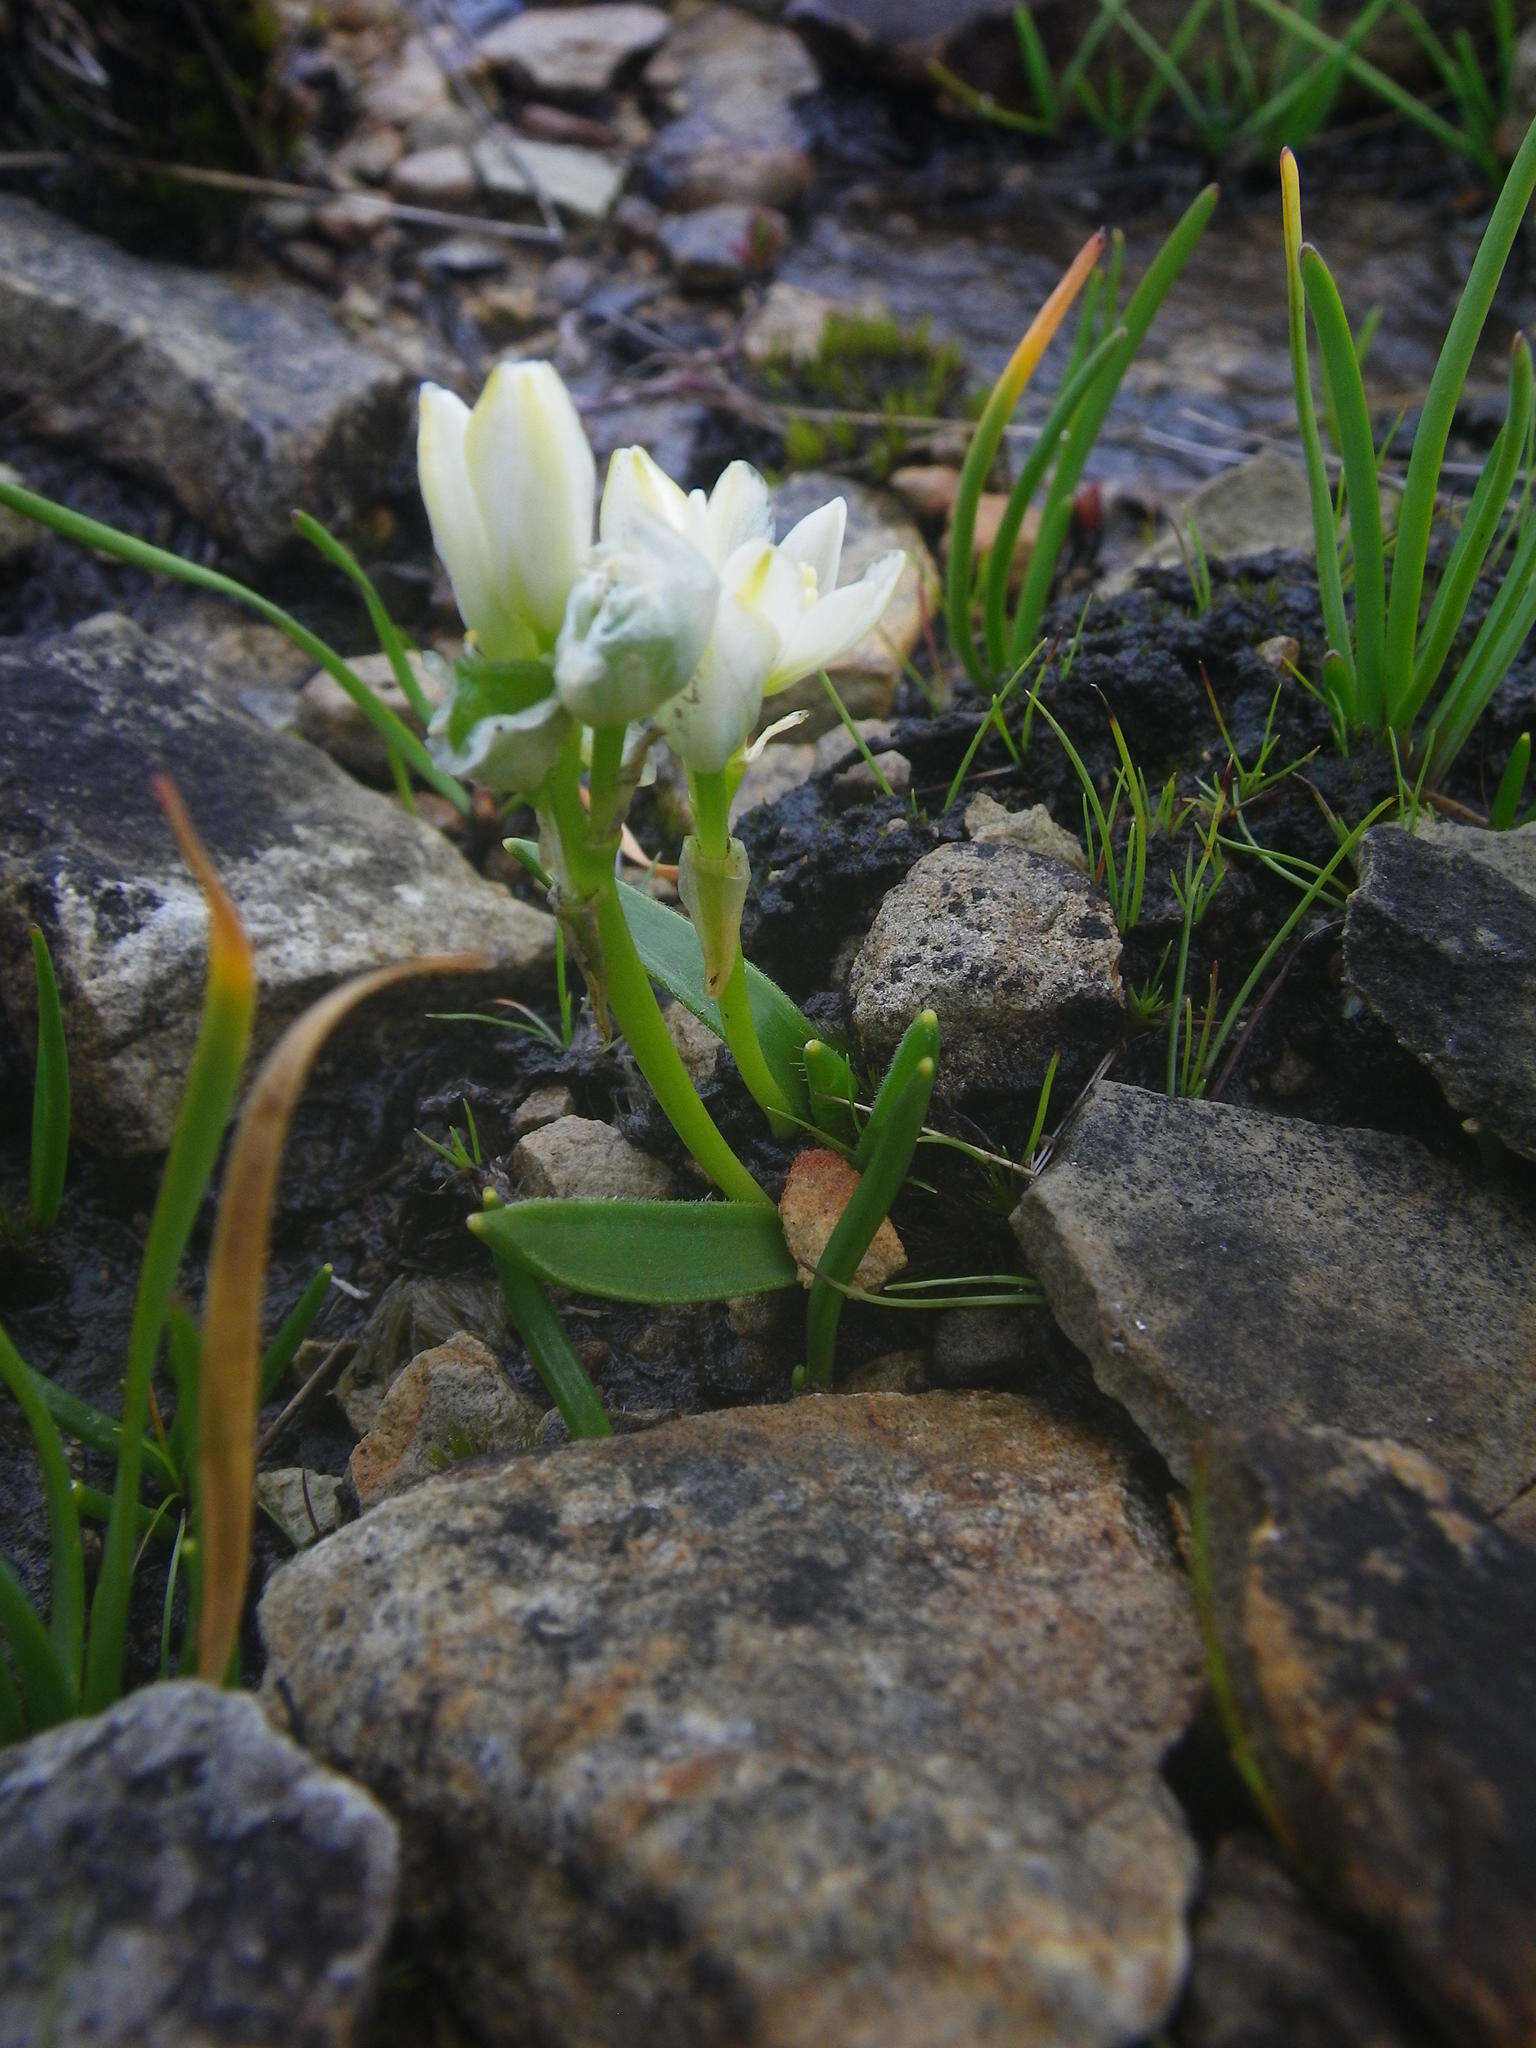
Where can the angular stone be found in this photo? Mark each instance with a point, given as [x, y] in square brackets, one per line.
[819, 1188]
[441, 176]
[1380, 1635]
[542, 1106]
[716, 248]
[739, 137]
[174, 1873]
[575, 52]
[328, 877]
[241, 400]
[1017, 953]
[1259, 507]
[580, 1156]
[1035, 830]
[329, 718]
[836, 1721]
[414, 1315]
[1271, 1972]
[1440, 939]
[1221, 1268]
[450, 1403]
[583, 182]
[303, 1506]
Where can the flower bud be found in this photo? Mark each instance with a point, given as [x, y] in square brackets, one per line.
[714, 893]
[636, 626]
[502, 726]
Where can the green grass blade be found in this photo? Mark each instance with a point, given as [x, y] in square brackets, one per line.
[390, 638]
[44, 1685]
[919, 1042]
[1036, 66]
[140, 554]
[1499, 640]
[1173, 57]
[13, 1721]
[1511, 785]
[292, 1331]
[1300, 106]
[1417, 509]
[868, 1206]
[1357, 447]
[1330, 585]
[50, 1094]
[229, 1003]
[66, 1557]
[661, 1252]
[669, 948]
[549, 1349]
[845, 719]
[1478, 528]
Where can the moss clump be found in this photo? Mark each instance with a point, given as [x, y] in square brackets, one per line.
[855, 400]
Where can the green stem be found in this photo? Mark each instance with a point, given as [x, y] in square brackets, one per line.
[711, 816]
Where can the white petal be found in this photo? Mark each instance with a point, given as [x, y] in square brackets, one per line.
[776, 731]
[818, 542]
[713, 716]
[511, 753]
[636, 627]
[767, 581]
[837, 622]
[490, 607]
[739, 511]
[535, 480]
[638, 488]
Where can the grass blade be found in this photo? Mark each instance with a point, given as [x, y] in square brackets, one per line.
[292, 1331]
[549, 1348]
[50, 1094]
[390, 638]
[66, 1556]
[1511, 785]
[237, 1272]
[45, 1689]
[229, 1004]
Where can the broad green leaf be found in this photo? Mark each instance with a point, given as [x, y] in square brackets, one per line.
[660, 1252]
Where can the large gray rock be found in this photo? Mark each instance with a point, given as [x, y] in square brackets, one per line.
[1440, 939]
[328, 877]
[243, 401]
[1224, 1268]
[1018, 954]
[830, 1722]
[1380, 1635]
[175, 1875]
[575, 52]
[738, 136]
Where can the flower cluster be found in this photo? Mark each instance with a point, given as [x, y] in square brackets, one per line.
[683, 611]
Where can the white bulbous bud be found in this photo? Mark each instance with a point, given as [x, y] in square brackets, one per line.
[638, 621]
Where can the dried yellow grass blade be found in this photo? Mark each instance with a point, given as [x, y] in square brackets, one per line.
[1037, 337]
[237, 1273]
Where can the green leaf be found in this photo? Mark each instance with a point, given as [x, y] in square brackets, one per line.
[1511, 784]
[50, 1094]
[661, 1252]
[549, 1348]
[67, 1558]
[494, 689]
[670, 950]
[390, 638]
[45, 1688]
[292, 1331]
[920, 1041]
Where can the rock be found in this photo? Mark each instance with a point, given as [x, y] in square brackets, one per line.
[791, 324]
[172, 1872]
[890, 775]
[928, 489]
[241, 400]
[450, 1403]
[1017, 953]
[698, 1047]
[1259, 507]
[412, 1316]
[893, 1372]
[411, 87]
[352, 218]
[247, 664]
[582, 182]
[542, 1106]
[819, 1188]
[716, 248]
[836, 1721]
[980, 1346]
[1271, 1972]
[570, 52]
[577, 1155]
[328, 877]
[328, 718]
[1280, 653]
[1380, 1637]
[1440, 939]
[1220, 1267]
[441, 176]
[898, 39]
[739, 138]
[303, 1506]
[987, 821]
[867, 675]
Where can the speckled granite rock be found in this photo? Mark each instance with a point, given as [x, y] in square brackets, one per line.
[1220, 1267]
[1440, 939]
[1381, 1638]
[831, 1722]
[328, 877]
[175, 1875]
[449, 1403]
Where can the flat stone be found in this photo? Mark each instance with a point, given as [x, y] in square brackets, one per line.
[1221, 1268]
[542, 1106]
[582, 182]
[574, 52]
[329, 878]
[1440, 939]
[441, 176]
[174, 1873]
[1034, 829]
[884, 774]
[1017, 953]
[1258, 507]
[739, 137]
[450, 1403]
[716, 248]
[819, 1187]
[837, 1721]
[579, 1156]
[303, 1506]
[867, 675]
[328, 718]
[790, 324]
[1271, 1972]
[241, 400]
[415, 1315]
[1380, 1635]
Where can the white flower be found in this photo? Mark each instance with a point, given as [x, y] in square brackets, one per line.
[509, 490]
[636, 626]
[780, 614]
[503, 727]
